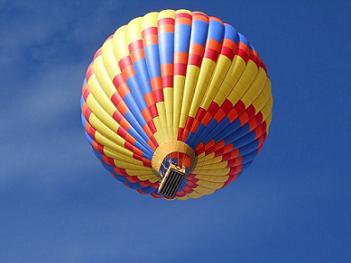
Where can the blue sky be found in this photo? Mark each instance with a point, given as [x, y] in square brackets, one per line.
[57, 202]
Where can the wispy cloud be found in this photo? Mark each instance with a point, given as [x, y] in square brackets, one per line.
[44, 55]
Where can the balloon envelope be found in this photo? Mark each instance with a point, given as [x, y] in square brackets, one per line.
[176, 87]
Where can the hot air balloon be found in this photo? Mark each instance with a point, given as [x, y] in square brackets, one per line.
[176, 104]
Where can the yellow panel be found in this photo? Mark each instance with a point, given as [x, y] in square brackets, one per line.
[215, 165]
[120, 48]
[216, 172]
[104, 141]
[205, 159]
[263, 97]
[168, 96]
[183, 11]
[109, 62]
[117, 156]
[98, 80]
[244, 82]
[255, 89]
[214, 83]
[146, 171]
[267, 109]
[195, 195]
[121, 158]
[150, 20]
[211, 178]
[101, 114]
[127, 165]
[209, 161]
[190, 82]
[178, 97]
[134, 30]
[202, 85]
[105, 131]
[203, 190]
[166, 13]
[210, 185]
[231, 78]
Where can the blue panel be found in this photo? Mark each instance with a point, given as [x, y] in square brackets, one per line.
[231, 33]
[135, 92]
[243, 39]
[133, 185]
[238, 133]
[98, 155]
[248, 148]
[250, 137]
[223, 129]
[81, 101]
[83, 120]
[108, 167]
[199, 32]
[128, 99]
[216, 31]
[139, 138]
[120, 178]
[90, 140]
[133, 122]
[147, 152]
[148, 190]
[182, 38]
[194, 138]
[245, 165]
[152, 60]
[142, 76]
[249, 157]
[166, 41]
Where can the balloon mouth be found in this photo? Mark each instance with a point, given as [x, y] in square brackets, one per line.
[172, 162]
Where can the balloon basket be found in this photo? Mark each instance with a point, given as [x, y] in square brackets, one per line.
[171, 180]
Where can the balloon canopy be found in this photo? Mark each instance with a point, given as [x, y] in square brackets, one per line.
[176, 104]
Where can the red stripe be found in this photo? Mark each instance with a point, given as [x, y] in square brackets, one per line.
[158, 95]
[211, 54]
[90, 130]
[118, 80]
[117, 116]
[180, 134]
[200, 16]
[85, 92]
[180, 69]
[97, 53]
[229, 53]
[149, 31]
[116, 98]
[89, 72]
[185, 15]
[213, 108]
[135, 45]
[243, 54]
[86, 111]
[125, 62]
[195, 60]
[98, 147]
[153, 110]
[165, 21]
[167, 81]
